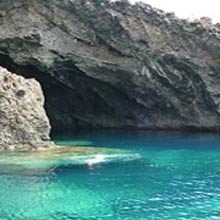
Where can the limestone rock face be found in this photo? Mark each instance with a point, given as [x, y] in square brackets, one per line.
[114, 65]
[23, 121]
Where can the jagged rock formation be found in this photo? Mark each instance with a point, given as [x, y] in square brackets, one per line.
[23, 121]
[112, 64]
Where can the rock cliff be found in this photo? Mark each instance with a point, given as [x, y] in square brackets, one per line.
[23, 121]
[113, 64]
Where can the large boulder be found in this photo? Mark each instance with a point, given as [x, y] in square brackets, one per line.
[114, 65]
[23, 121]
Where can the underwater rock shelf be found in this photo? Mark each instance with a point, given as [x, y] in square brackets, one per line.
[77, 155]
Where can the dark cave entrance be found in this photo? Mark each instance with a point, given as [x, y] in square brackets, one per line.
[80, 102]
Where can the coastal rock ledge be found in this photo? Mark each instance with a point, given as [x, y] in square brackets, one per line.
[23, 121]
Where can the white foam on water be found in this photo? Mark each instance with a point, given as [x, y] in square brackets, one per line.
[98, 159]
[105, 158]
[102, 158]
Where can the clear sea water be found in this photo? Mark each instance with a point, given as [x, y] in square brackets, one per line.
[147, 176]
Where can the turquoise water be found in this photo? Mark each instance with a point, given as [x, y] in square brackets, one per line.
[144, 176]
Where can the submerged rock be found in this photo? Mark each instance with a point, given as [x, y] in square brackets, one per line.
[113, 64]
[23, 121]
[64, 156]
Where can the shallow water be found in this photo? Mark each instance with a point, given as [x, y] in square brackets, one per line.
[140, 176]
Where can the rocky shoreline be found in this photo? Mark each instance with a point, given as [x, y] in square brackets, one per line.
[23, 121]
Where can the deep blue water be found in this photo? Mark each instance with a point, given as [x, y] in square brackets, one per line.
[148, 176]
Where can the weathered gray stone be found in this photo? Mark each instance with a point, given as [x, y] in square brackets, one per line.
[112, 64]
[23, 121]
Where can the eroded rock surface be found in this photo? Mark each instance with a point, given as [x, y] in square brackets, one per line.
[112, 64]
[23, 121]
